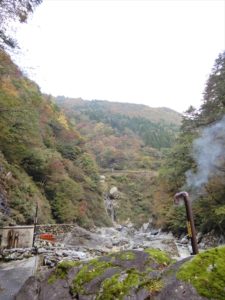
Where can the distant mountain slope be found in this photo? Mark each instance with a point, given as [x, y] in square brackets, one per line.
[123, 135]
[156, 115]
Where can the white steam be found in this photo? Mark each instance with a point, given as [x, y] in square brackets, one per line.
[209, 153]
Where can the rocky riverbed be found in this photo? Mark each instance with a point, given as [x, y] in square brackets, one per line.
[81, 244]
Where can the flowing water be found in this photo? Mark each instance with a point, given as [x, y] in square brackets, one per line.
[109, 206]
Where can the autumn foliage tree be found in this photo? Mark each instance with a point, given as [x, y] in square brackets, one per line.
[45, 156]
[13, 11]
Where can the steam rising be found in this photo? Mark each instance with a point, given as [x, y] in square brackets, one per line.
[209, 153]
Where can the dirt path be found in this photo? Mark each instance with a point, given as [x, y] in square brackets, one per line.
[124, 172]
[13, 275]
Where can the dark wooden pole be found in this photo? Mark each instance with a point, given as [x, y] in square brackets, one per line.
[190, 220]
[35, 223]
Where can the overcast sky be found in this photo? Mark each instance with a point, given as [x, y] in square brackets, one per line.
[158, 53]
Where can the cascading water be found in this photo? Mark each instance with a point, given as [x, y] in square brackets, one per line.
[109, 207]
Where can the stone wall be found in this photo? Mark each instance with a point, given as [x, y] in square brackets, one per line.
[58, 230]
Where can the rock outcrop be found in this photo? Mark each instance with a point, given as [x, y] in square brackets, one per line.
[127, 275]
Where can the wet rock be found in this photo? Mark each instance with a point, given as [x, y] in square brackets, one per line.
[114, 193]
[42, 250]
[211, 239]
[102, 178]
[16, 254]
[154, 232]
[51, 261]
[145, 227]
[110, 204]
[184, 240]
[72, 254]
[199, 237]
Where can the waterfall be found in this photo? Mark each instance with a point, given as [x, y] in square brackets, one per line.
[109, 206]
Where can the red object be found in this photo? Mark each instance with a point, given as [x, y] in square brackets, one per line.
[47, 236]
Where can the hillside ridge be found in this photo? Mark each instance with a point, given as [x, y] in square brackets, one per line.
[155, 114]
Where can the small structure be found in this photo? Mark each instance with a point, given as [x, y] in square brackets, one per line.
[16, 236]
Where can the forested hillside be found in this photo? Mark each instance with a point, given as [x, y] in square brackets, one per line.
[43, 159]
[197, 162]
[128, 142]
[123, 135]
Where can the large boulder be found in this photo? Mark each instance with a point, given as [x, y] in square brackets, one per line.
[80, 237]
[114, 193]
[130, 275]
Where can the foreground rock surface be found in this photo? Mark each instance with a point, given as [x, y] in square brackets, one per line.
[11, 281]
[132, 274]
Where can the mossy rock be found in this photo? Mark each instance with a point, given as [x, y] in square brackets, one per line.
[196, 277]
[132, 274]
[206, 272]
[61, 271]
[118, 275]
[160, 257]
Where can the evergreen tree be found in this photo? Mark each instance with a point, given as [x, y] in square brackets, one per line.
[210, 206]
[213, 107]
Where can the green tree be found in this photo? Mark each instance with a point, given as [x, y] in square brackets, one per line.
[209, 207]
[213, 107]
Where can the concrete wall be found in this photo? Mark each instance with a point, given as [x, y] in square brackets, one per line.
[16, 236]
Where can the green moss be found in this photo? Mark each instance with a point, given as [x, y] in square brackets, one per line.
[116, 287]
[112, 258]
[153, 286]
[126, 255]
[122, 178]
[122, 255]
[119, 285]
[90, 271]
[62, 269]
[148, 269]
[206, 272]
[161, 257]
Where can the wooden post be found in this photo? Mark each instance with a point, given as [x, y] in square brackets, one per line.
[35, 223]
